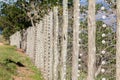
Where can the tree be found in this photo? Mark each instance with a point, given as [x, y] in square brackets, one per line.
[91, 40]
[36, 9]
[12, 19]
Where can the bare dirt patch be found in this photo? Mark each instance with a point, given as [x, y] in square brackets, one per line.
[23, 74]
[1, 44]
[21, 52]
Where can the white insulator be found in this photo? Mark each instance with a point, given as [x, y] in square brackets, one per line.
[102, 8]
[79, 59]
[103, 17]
[103, 42]
[103, 52]
[80, 40]
[102, 70]
[103, 78]
[103, 62]
[79, 65]
[81, 54]
[104, 25]
[78, 4]
[103, 35]
[64, 65]
[64, 73]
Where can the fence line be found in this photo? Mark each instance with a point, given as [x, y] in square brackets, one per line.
[47, 45]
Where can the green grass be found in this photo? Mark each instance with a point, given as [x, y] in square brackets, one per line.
[7, 70]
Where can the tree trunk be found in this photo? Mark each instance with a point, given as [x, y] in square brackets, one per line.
[91, 40]
[75, 54]
[118, 42]
[31, 19]
[56, 53]
[64, 40]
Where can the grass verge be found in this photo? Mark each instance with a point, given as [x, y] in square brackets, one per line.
[8, 68]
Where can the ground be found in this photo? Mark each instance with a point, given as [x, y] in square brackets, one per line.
[15, 65]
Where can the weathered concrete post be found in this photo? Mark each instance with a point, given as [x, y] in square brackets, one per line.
[76, 25]
[42, 47]
[36, 53]
[56, 53]
[64, 40]
[35, 42]
[32, 42]
[50, 45]
[39, 46]
[91, 40]
[45, 49]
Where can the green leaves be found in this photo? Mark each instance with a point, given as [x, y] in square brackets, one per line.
[23, 13]
[12, 19]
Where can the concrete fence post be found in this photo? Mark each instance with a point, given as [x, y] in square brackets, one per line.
[91, 40]
[64, 40]
[55, 40]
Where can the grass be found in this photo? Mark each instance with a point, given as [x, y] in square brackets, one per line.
[8, 70]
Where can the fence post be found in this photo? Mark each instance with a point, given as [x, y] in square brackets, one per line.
[75, 53]
[42, 46]
[91, 40]
[39, 49]
[28, 41]
[45, 48]
[50, 45]
[35, 42]
[64, 39]
[118, 42]
[38, 46]
[56, 54]
[32, 43]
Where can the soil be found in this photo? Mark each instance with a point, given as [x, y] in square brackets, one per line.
[23, 72]
[1, 43]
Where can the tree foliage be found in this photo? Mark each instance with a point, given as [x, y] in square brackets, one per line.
[24, 13]
[12, 19]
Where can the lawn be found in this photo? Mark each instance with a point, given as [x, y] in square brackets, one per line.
[16, 66]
